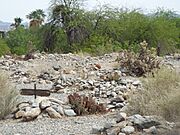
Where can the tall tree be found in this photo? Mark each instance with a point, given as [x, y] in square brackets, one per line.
[68, 15]
[36, 17]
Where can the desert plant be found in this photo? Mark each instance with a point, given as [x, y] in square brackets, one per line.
[160, 96]
[85, 105]
[141, 63]
[4, 49]
[8, 96]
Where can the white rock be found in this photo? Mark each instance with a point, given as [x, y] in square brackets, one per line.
[69, 112]
[128, 130]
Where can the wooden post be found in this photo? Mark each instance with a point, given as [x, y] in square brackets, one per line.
[35, 91]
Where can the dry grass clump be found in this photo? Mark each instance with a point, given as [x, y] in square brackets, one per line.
[84, 105]
[141, 63]
[8, 96]
[160, 96]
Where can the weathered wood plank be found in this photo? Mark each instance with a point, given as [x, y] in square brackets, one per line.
[38, 92]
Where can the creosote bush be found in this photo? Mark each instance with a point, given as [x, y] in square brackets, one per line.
[8, 96]
[160, 96]
[141, 63]
[84, 105]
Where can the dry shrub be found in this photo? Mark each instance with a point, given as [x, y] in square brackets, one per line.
[8, 96]
[141, 63]
[83, 105]
[160, 96]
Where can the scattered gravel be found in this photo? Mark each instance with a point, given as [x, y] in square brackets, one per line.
[65, 126]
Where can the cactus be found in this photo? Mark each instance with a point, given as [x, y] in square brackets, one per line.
[84, 105]
[139, 64]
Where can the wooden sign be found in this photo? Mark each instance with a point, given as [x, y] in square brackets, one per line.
[35, 92]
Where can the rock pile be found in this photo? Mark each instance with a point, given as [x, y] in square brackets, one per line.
[43, 107]
[134, 125]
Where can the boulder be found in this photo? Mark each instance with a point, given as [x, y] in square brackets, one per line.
[52, 113]
[32, 114]
[146, 121]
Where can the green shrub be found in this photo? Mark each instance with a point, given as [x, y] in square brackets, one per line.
[160, 96]
[4, 49]
[8, 96]
[19, 40]
[99, 45]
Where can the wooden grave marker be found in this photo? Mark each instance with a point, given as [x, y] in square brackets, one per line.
[35, 92]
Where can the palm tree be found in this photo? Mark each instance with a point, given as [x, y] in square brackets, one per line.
[17, 22]
[36, 17]
[68, 15]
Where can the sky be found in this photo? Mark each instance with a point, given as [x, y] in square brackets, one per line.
[9, 9]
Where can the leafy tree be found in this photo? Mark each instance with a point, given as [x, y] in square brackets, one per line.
[166, 30]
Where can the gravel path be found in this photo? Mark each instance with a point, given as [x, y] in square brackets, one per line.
[65, 126]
